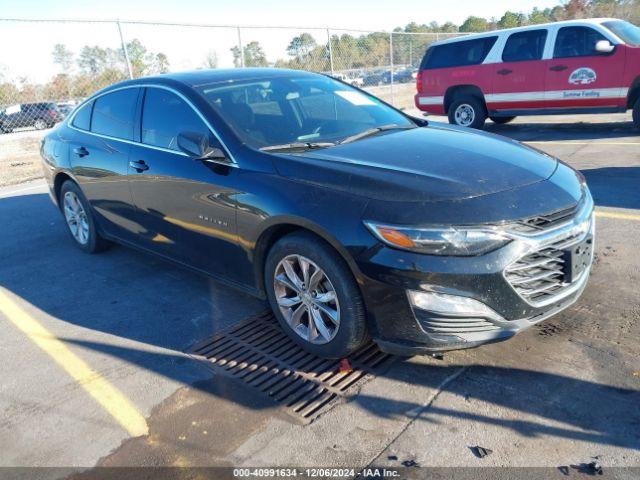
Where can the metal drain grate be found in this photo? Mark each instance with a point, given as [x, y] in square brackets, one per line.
[260, 354]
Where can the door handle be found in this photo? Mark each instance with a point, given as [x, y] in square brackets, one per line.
[139, 166]
[81, 151]
[558, 68]
[504, 71]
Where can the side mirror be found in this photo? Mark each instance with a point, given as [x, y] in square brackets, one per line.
[604, 46]
[199, 146]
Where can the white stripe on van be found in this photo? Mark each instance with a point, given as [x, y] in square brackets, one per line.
[618, 92]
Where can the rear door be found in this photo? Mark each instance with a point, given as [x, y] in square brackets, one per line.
[102, 132]
[519, 80]
[580, 77]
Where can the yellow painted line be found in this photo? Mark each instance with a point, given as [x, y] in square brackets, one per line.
[541, 142]
[619, 216]
[108, 396]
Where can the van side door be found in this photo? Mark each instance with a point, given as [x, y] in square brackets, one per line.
[578, 76]
[519, 80]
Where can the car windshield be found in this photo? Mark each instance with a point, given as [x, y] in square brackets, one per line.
[628, 32]
[296, 111]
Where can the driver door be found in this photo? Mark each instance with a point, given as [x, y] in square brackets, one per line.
[187, 207]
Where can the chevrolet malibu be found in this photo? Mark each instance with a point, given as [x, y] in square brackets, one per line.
[355, 220]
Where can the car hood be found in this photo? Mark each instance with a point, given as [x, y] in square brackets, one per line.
[422, 164]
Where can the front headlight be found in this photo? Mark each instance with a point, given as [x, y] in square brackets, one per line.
[453, 241]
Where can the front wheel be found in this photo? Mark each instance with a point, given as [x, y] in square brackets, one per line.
[467, 112]
[636, 114]
[314, 296]
[80, 221]
[501, 120]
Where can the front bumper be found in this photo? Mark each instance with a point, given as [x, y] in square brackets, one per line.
[402, 327]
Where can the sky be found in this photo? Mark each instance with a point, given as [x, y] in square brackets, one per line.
[186, 48]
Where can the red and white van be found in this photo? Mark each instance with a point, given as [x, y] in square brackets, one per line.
[578, 66]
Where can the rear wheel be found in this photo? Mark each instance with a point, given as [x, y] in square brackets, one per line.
[636, 114]
[467, 111]
[80, 221]
[501, 120]
[40, 124]
[314, 296]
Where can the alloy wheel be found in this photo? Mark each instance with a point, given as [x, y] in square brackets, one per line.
[307, 299]
[40, 124]
[464, 115]
[76, 218]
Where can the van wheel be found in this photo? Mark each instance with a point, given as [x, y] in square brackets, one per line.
[468, 112]
[636, 114]
[314, 296]
[501, 120]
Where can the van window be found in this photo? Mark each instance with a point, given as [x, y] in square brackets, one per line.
[576, 42]
[628, 32]
[525, 46]
[113, 113]
[457, 54]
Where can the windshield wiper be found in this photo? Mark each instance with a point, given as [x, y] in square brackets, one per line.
[374, 131]
[298, 146]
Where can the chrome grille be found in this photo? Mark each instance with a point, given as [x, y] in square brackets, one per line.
[539, 277]
[453, 325]
[544, 222]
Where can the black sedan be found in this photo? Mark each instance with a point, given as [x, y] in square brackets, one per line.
[355, 220]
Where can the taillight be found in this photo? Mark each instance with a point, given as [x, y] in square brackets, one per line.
[419, 81]
[52, 113]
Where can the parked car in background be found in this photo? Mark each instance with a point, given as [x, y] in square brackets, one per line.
[373, 79]
[406, 75]
[572, 67]
[351, 79]
[36, 115]
[66, 107]
[353, 219]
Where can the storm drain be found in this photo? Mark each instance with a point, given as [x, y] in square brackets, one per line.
[261, 355]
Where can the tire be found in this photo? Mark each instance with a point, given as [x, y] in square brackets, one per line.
[502, 120]
[4, 129]
[636, 114]
[471, 106]
[340, 339]
[90, 241]
[40, 124]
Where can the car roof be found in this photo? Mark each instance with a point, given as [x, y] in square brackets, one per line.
[507, 31]
[197, 78]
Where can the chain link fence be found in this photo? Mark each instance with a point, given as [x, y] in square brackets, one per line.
[49, 66]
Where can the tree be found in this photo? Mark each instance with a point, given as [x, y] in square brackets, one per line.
[254, 56]
[474, 24]
[161, 63]
[540, 16]
[301, 46]
[92, 60]
[509, 20]
[211, 59]
[63, 57]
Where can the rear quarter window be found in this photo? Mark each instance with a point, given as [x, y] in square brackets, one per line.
[458, 54]
[82, 118]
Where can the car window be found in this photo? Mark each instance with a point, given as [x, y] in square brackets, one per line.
[297, 109]
[82, 118]
[525, 46]
[469, 52]
[164, 116]
[113, 114]
[576, 42]
[628, 32]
